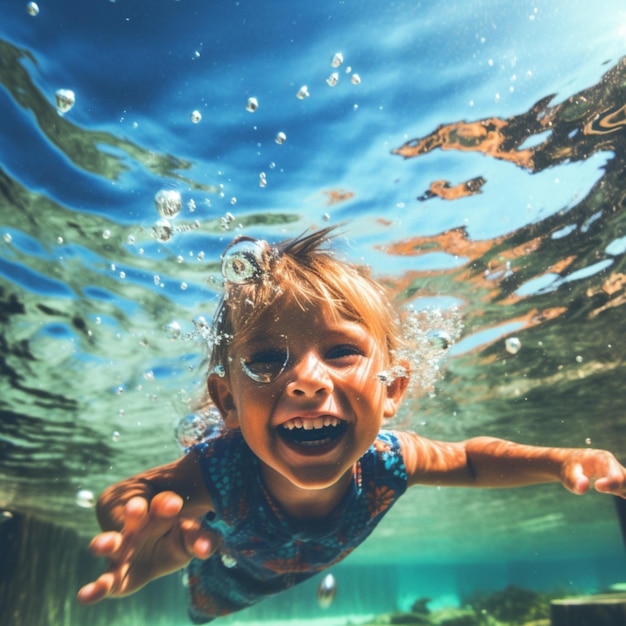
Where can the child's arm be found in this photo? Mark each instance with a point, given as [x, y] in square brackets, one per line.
[490, 462]
[151, 528]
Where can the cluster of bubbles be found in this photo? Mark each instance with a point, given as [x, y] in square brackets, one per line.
[428, 334]
[163, 230]
[333, 79]
[226, 221]
[197, 427]
[169, 203]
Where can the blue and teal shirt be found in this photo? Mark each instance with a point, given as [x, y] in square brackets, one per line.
[262, 550]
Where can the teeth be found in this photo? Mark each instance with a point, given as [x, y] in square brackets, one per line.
[311, 424]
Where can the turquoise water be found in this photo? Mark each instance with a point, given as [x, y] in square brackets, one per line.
[475, 154]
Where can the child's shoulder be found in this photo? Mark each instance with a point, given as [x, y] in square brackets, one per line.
[382, 467]
[387, 441]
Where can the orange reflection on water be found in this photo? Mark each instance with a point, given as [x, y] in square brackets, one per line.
[444, 190]
[335, 196]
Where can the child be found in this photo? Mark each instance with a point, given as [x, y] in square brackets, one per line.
[304, 371]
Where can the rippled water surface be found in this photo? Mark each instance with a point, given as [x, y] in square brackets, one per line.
[473, 151]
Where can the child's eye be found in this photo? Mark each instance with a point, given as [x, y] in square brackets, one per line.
[263, 366]
[344, 352]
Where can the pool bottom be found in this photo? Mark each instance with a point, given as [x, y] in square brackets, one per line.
[43, 565]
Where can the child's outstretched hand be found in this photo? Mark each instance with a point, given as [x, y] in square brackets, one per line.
[584, 468]
[154, 541]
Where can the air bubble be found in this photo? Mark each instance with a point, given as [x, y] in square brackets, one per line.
[197, 427]
[384, 377]
[355, 79]
[115, 436]
[280, 138]
[85, 499]
[333, 79]
[106, 234]
[512, 345]
[588, 441]
[196, 117]
[65, 99]
[32, 8]
[439, 339]
[242, 261]
[326, 591]
[252, 105]
[228, 561]
[162, 231]
[303, 93]
[337, 59]
[388, 377]
[173, 330]
[7, 238]
[168, 202]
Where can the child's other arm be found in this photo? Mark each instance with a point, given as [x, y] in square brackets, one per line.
[152, 528]
[490, 462]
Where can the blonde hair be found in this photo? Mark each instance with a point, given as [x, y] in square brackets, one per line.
[300, 270]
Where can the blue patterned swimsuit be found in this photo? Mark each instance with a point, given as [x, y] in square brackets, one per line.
[263, 551]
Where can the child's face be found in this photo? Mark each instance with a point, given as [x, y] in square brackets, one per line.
[304, 392]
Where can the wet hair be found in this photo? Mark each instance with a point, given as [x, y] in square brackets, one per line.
[302, 270]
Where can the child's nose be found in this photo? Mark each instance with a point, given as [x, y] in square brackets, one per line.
[310, 377]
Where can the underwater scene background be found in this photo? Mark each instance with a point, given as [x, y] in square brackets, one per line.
[474, 154]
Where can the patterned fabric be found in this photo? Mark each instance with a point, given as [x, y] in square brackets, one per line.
[263, 551]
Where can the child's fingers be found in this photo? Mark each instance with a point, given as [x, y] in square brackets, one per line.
[97, 590]
[614, 482]
[135, 514]
[166, 504]
[576, 480]
[106, 544]
[198, 541]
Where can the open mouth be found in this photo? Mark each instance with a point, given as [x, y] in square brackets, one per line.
[312, 433]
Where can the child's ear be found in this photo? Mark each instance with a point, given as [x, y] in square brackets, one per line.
[395, 392]
[220, 392]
